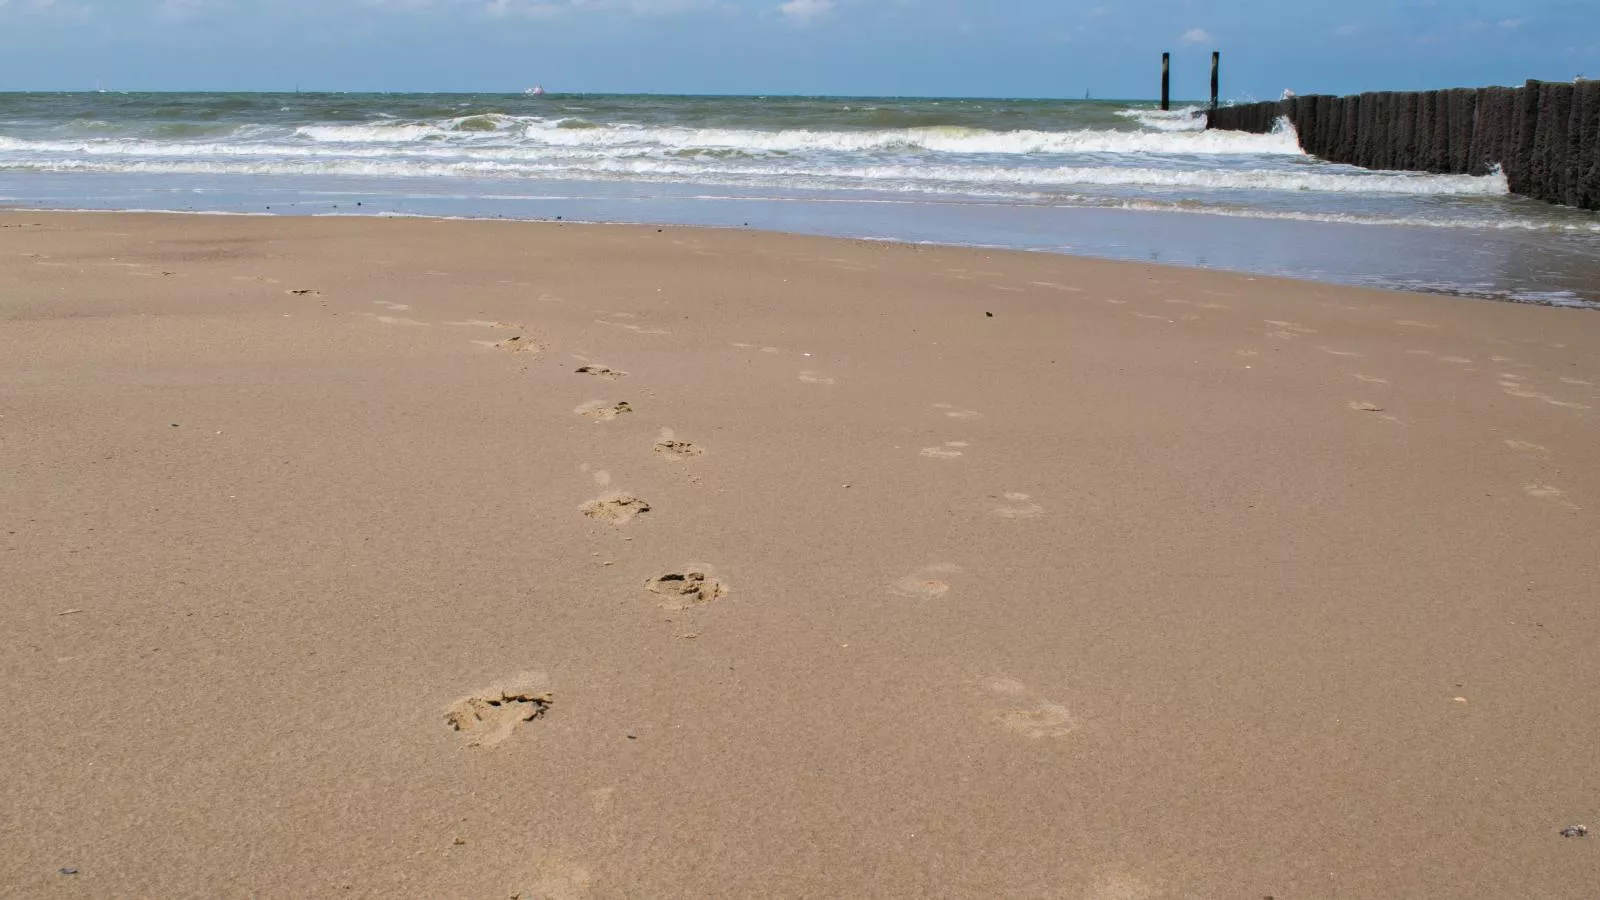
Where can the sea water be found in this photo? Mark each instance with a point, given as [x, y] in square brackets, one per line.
[1101, 178]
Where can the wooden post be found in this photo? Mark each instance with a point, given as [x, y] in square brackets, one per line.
[1215, 58]
[1166, 81]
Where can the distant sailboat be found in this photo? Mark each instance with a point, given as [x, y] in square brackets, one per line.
[535, 91]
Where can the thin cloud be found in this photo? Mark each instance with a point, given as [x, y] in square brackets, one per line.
[1196, 36]
[806, 10]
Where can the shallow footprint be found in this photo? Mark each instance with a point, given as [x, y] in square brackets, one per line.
[601, 411]
[950, 450]
[924, 585]
[956, 413]
[1031, 716]
[694, 586]
[1021, 506]
[617, 508]
[677, 450]
[490, 716]
[605, 372]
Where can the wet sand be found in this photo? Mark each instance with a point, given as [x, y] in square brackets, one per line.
[411, 558]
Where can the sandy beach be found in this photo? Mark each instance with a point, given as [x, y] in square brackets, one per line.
[412, 558]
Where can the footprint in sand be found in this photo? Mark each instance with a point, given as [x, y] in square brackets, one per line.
[670, 448]
[1526, 447]
[515, 344]
[557, 879]
[487, 323]
[1548, 492]
[1019, 506]
[303, 292]
[809, 377]
[1026, 714]
[926, 584]
[1512, 385]
[1373, 408]
[956, 413]
[617, 508]
[950, 450]
[636, 329]
[1287, 331]
[1370, 379]
[1056, 286]
[488, 717]
[603, 411]
[693, 586]
[392, 320]
[392, 307]
[605, 372]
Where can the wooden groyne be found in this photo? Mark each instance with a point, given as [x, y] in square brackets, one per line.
[1544, 135]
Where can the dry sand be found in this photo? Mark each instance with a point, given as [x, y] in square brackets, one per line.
[327, 573]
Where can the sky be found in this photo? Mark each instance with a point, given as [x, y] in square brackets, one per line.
[996, 48]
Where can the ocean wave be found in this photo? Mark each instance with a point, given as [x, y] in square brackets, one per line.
[936, 139]
[1188, 118]
[952, 178]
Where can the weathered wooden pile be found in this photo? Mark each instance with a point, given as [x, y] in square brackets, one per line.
[1544, 135]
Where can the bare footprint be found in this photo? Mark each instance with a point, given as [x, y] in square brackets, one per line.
[605, 372]
[691, 587]
[1548, 492]
[677, 450]
[618, 508]
[1027, 714]
[518, 344]
[925, 585]
[1019, 506]
[1287, 331]
[556, 879]
[955, 413]
[950, 450]
[1362, 406]
[490, 716]
[602, 411]
[393, 320]
[487, 323]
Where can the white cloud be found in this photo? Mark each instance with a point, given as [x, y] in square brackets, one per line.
[1510, 24]
[1196, 36]
[806, 10]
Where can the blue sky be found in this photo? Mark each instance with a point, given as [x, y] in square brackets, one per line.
[1023, 48]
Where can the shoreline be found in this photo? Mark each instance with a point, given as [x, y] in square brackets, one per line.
[435, 558]
[1558, 298]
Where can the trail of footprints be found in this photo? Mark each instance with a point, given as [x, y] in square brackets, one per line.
[1513, 384]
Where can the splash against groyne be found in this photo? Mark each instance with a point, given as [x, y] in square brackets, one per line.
[1545, 136]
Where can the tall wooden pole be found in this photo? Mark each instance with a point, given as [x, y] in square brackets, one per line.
[1166, 81]
[1215, 59]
